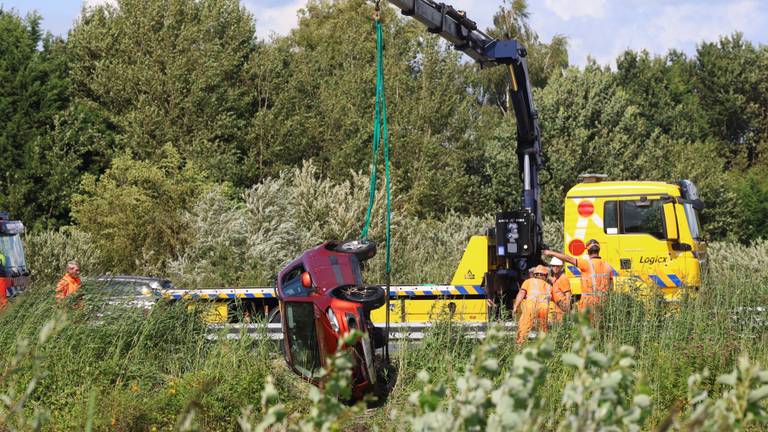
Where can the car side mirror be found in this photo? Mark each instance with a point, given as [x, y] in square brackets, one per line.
[681, 247]
[306, 280]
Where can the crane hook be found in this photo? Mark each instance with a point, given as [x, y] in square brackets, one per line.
[377, 10]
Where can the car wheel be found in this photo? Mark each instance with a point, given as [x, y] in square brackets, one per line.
[371, 297]
[362, 249]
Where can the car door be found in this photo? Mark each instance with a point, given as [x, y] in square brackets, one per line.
[301, 339]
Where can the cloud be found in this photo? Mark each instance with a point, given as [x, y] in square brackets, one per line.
[691, 23]
[567, 9]
[275, 19]
[94, 3]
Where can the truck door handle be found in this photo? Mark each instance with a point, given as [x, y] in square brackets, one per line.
[625, 263]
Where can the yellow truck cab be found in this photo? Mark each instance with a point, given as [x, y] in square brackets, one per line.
[648, 231]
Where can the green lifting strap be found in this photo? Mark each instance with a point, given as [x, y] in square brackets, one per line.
[380, 133]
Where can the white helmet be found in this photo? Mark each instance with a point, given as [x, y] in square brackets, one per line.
[555, 261]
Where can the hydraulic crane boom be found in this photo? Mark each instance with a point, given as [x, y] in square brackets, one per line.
[517, 237]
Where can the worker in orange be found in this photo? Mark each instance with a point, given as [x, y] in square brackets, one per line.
[70, 282]
[534, 296]
[596, 276]
[561, 289]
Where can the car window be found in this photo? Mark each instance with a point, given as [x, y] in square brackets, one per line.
[291, 283]
[118, 288]
[302, 338]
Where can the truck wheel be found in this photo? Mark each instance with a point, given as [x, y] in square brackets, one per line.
[371, 297]
[362, 249]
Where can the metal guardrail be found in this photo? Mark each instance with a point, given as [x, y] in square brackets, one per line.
[398, 331]
[397, 291]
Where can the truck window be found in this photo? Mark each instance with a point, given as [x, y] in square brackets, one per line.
[693, 220]
[611, 217]
[643, 217]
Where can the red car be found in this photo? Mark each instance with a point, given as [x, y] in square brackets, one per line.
[322, 297]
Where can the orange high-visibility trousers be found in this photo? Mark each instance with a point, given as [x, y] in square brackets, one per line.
[532, 311]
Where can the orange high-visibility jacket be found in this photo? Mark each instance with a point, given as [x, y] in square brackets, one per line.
[68, 285]
[596, 275]
[560, 288]
[537, 289]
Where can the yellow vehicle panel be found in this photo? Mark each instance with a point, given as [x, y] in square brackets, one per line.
[473, 264]
[424, 310]
[211, 312]
[637, 225]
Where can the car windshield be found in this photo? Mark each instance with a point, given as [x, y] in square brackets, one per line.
[302, 338]
[117, 286]
[124, 289]
[12, 255]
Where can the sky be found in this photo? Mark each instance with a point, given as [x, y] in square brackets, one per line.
[601, 29]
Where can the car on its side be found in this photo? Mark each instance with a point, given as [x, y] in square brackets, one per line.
[322, 297]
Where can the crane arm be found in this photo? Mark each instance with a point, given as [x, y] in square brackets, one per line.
[518, 234]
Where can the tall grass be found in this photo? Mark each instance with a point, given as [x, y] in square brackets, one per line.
[127, 369]
[142, 368]
[136, 370]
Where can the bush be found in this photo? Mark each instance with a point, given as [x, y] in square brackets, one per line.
[246, 240]
[49, 251]
[132, 211]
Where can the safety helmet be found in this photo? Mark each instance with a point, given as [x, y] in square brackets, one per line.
[555, 261]
[540, 269]
[593, 244]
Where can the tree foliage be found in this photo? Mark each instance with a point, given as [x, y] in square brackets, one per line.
[170, 72]
[133, 211]
[35, 173]
[136, 81]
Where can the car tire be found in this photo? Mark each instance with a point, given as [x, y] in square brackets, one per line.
[370, 296]
[362, 249]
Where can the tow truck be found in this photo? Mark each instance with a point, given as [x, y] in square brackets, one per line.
[650, 229]
[14, 274]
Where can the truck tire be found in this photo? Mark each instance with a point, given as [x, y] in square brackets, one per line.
[362, 249]
[371, 297]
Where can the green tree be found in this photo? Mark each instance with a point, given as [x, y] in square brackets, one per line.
[511, 21]
[170, 72]
[592, 124]
[730, 79]
[662, 87]
[35, 176]
[133, 212]
[324, 108]
[752, 190]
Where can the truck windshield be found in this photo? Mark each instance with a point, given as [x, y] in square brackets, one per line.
[12, 255]
[693, 220]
